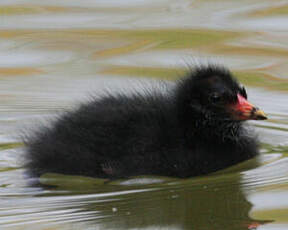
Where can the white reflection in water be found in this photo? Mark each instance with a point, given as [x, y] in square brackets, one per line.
[269, 200]
[174, 59]
[273, 227]
[33, 58]
[89, 3]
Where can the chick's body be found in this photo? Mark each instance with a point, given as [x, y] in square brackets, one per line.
[172, 134]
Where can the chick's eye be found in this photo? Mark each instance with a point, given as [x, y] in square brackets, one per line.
[243, 92]
[215, 97]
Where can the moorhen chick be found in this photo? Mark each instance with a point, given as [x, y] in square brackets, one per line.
[198, 127]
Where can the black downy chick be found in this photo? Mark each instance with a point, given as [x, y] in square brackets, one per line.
[197, 128]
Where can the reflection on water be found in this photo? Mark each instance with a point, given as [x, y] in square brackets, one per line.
[55, 54]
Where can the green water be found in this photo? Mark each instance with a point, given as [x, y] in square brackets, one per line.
[55, 54]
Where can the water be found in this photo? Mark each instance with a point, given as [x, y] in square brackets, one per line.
[55, 54]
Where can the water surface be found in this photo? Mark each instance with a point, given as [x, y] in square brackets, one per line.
[55, 54]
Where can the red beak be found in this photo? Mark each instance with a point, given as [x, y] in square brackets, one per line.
[244, 110]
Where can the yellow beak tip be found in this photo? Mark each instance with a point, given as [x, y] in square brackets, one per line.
[260, 115]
